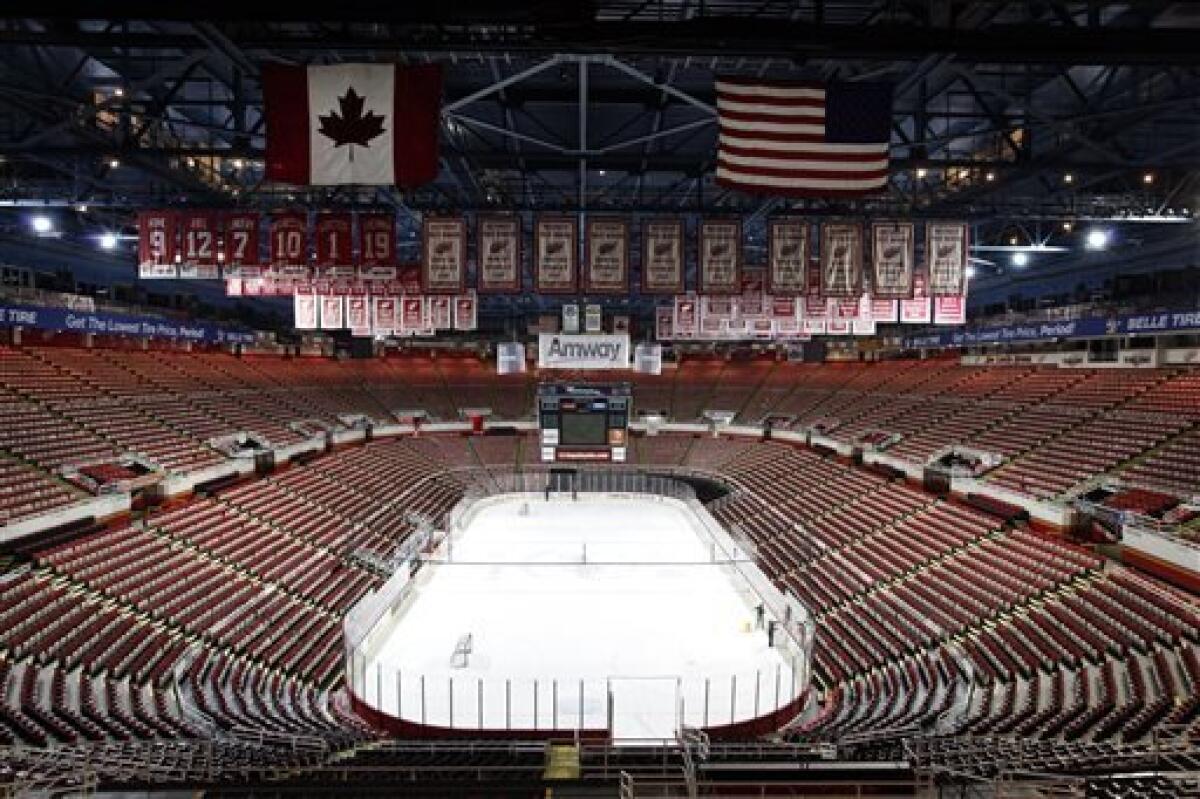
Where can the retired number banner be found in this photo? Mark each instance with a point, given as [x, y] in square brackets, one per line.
[946, 256]
[892, 255]
[787, 242]
[157, 253]
[606, 260]
[554, 268]
[444, 255]
[841, 259]
[334, 240]
[241, 245]
[376, 240]
[289, 240]
[720, 256]
[498, 243]
[199, 245]
[662, 256]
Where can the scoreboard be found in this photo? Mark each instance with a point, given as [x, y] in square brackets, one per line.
[583, 423]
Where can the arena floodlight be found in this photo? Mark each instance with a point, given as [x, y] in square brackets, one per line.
[108, 241]
[1020, 259]
[42, 224]
[1097, 239]
[971, 270]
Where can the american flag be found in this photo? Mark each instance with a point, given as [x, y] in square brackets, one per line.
[803, 139]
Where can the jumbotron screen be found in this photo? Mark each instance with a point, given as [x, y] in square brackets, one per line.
[583, 428]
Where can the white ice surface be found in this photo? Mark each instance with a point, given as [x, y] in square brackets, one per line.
[647, 616]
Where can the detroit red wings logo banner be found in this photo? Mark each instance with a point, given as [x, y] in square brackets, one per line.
[466, 309]
[358, 315]
[444, 255]
[498, 253]
[606, 260]
[892, 255]
[240, 250]
[441, 313]
[331, 308]
[157, 251]
[383, 315]
[305, 308]
[841, 259]
[917, 309]
[199, 246]
[364, 124]
[720, 256]
[555, 269]
[662, 256]
[946, 255]
[787, 256]
[414, 315]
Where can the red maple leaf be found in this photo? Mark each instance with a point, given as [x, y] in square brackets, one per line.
[351, 126]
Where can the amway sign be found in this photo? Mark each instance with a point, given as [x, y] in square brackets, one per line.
[559, 351]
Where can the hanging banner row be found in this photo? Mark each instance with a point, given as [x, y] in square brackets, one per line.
[386, 315]
[843, 259]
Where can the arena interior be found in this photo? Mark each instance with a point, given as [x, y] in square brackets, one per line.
[600, 398]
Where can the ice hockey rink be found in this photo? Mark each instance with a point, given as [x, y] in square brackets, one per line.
[555, 606]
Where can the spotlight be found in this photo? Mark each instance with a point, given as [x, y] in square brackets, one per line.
[113, 163]
[990, 176]
[42, 224]
[1068, 178]
[1012, 240]
[603, 173]
[1066, 226]
[237, 163]
[970, 272]
[1148, 178]
[108, 241]
[118, 92]
[922, 172]
[1097, 239]
[1020, 259]
[81, 208]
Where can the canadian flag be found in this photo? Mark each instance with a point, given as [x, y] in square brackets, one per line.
[367, 124]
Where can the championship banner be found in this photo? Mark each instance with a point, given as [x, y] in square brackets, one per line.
[885, 310]
[240, 251]
[946, 254]
[498, 253]
[563, 351]
[358, 315]
[787, 259]
[331, 307]
[917, 311]
[198, 245]
[376, 240]
[838, 327]
[841, 259]
[305, 306]
[664, 323]
[950, 310]
[662, 256]
[813, 327]
[413, 315]
[466, 310]
[893, 251]
[441, 313]
[157, 252]
[333, 234]
[289, 240]
[606, 256]
[383, 315]
[570, 318]
[720, 256]
[717, 314]
[685, 316]
[444, 255]
[555, 242]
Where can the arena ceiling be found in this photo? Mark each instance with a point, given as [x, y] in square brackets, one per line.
[1027, 117]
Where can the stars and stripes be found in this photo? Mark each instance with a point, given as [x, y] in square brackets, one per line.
[804, 140]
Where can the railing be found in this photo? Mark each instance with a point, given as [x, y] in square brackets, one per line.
[552, 704]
